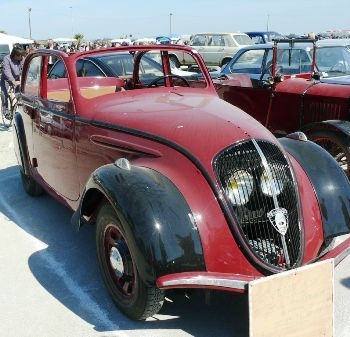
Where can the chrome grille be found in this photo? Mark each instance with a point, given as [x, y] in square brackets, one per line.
[255, 165]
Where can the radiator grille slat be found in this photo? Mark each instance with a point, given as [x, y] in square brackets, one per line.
[262, 182]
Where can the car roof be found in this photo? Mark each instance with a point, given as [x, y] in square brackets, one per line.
[282, 45]
[220, 33]
[333, 42]
[262, 32]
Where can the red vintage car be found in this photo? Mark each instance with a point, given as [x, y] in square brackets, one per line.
[295, 85]
[184, 189]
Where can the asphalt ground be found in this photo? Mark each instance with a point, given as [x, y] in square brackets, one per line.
[51, 285]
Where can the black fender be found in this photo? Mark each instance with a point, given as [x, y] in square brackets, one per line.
[330, 183]
[155, 216]
[339, 126]
[20, 144]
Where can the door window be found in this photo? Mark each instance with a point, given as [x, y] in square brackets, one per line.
[32, 80]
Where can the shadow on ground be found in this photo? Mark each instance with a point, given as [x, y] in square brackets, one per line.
[66, 266]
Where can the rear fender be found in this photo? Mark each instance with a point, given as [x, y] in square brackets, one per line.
[154, 214]
[330, 183]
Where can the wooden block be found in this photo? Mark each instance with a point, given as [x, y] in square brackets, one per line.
[295, 303]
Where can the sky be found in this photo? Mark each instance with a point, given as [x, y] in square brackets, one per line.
[98, 19]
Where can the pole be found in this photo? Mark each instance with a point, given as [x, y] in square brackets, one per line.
[267, 23]
[71, 17]
[30, 26]
[170, 15]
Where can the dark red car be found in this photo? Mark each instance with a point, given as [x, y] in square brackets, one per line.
[293, 85]
[184, 189]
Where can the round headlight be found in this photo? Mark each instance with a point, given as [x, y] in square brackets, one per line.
[272, 185]
[239, 187]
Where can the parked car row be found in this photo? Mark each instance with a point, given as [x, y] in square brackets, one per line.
[290, 86]
[185, 189]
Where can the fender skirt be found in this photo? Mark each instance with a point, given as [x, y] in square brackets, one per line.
[331, 185]
[159, 224]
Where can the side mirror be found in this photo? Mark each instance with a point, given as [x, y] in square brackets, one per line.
[279, 78]
[316, 75]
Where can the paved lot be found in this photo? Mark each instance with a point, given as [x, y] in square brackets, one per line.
[51, 284]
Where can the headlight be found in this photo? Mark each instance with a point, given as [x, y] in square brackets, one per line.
[239, 187]
[271, 185]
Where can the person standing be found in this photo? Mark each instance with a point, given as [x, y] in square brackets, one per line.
[51, 45]
[11, 72]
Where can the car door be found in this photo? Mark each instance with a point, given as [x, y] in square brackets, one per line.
[48, 103]
[254, 98]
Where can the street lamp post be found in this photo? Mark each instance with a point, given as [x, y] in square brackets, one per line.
[170, 16]
[71, 17]
[30, 26]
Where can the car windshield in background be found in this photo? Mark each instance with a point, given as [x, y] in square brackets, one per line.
[289, 61]
[333, 60]
[243, 39]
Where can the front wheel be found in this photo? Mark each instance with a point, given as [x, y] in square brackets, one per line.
[119, 269]
[335, 144]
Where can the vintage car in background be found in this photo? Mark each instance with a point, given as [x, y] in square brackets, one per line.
[293, 85]
[264, 37]
[184, 189]
[215, 48]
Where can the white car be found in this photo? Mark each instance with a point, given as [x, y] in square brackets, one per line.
[216, 49]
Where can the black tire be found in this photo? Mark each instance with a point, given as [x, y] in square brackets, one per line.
[30, 185]
[120, 273]
[335, 144]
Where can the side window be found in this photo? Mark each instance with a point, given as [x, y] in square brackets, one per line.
[217, 40]
[198, 40]
[33, 76]
[86, 68]
[57, 71]
[249, 62]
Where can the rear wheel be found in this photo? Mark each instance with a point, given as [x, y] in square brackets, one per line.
[120, 272]
[335, 144]
[30, 185]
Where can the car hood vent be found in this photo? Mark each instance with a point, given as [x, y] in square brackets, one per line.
[259, 187]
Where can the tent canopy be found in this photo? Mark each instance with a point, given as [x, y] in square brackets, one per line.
[64, 39]
[11, 39]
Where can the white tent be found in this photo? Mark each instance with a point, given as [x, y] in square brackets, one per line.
[64, 40]
[5, 38]
[7, 42]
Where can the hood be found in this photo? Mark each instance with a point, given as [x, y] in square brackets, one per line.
[203, 124]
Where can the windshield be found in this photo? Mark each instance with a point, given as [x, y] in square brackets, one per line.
[333, 60]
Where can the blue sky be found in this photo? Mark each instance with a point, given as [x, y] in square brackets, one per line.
[147, 18]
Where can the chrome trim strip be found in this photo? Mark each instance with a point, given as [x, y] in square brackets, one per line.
[208, 281]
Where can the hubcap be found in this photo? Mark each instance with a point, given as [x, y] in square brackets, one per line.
[116, 261]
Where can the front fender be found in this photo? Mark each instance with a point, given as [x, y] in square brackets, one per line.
[155, 216]
[331, 185]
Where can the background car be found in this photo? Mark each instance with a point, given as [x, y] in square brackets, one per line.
[264, 37]
[184, 189]
[333, 57]
[282, 87]
[215, 48]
